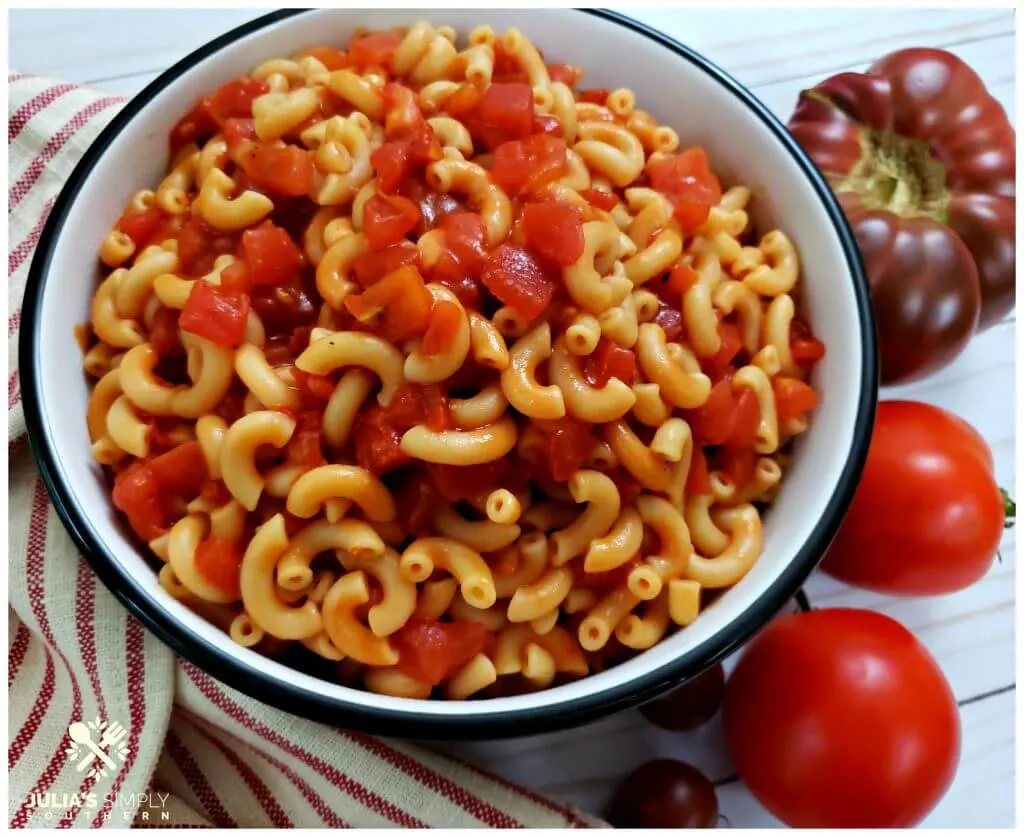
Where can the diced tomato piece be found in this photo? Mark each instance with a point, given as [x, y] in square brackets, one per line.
[607, 580]
[462, 102]
[506, 108]
[195, 240]
[332, 59]
[803, 345]
[235, 277]
[519, 280]
[464, 237]
[140, 225]
[163, 334]
[448, 273]
[434, 207]
[373, 50]
[318, 387]
[670, 320]
[793, 397]
[234, 99]
[215, 313]
[457, 482]
[387, 219]
[390, 161]
[406, 408]
[435, 407]
[305, 448]
[610, 361]
[681, 278]
[748, 418]
[378, 443]
[554, 231]
[570, 442]
[443, 325]
[197, 126]
[219, 562]
[528, 165]
[371, 267]
[181, 471]
[400, 302]
[738, 464]
[431, 651]
[237, 131]
[138, 495]
[283, 309]
[270, 255]
[723, 362]
[546, 123]
[600, 198]
[595, 95]
[280, 169]
[714, 421]
[686, 179]
[564, 73]
[215, 492]
[698, 480]
[417, 500]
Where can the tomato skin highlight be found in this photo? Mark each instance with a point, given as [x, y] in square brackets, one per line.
[519, 280]
[430, 651]
[868, 734]
[927, 516]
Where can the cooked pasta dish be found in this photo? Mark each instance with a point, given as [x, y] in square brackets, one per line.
[432, 371]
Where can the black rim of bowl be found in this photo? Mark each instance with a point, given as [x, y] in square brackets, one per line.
[351, 713]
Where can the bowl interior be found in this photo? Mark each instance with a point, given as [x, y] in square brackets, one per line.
[679, 92]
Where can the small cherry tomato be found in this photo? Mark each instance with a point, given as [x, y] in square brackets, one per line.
[664, 794]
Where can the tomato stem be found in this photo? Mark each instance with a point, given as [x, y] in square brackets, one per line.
[1009, 509]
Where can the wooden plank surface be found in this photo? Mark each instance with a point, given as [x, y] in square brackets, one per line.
[776, 54]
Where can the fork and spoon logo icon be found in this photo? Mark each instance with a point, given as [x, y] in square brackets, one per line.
[95, 745]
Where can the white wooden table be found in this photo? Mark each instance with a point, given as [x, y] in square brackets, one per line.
[776, 54]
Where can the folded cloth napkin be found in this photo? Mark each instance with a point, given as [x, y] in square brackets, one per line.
[185, 750]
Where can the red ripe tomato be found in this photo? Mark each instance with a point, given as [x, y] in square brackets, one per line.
[464, 237]
[198, 125]
[215, 313]
[519, 281]
[332, 59]
[803, 345]
[271, 256]
[140, 225]
[570, 442]
[371, 267]
[564, 73]
[373, 50]
[868, 734]
[686, 179]
[390, 161]
[195, 241]
[554, 231]
[219, 562]
[712, 422]
[138, 495]
[793, 397]
[595, 95]
[737, 464]
[528, 165]
[280, 169]
[431, 651]
[387, 219]
[443, 325]
[748, 418]
[927, 516]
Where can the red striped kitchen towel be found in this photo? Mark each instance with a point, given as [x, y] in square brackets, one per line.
[188, 751]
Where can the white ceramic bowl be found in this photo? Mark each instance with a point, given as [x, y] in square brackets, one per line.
[747, 145]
